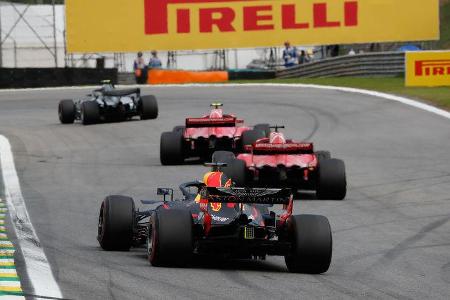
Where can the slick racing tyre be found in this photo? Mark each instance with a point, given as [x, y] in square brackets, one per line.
[66, 111]
[171, 148]
[263, 127]
[178, 128]
[331, 180]
[170, 237]
[322, 155]
[251, 136]
[148, 107]
[312, 244]
[222, 156]
[90, 113]
[116, 223]
[236, 171]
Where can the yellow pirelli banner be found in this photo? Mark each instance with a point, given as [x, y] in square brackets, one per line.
[427, 68]
[132, 25]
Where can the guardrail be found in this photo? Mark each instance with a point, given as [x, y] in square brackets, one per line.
[368, 64]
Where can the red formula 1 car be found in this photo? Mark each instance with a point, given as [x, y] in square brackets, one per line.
[200, 137]
[280, 162]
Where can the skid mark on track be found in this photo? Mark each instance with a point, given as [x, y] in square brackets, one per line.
[312, 112]
[398, 250]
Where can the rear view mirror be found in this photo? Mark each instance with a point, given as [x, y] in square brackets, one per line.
[165, 192]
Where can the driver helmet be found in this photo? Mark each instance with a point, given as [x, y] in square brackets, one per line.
[277, 138]
[216, 179]
[216, 113]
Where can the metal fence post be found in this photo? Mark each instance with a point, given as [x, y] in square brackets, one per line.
[1, 44]
[54, 35]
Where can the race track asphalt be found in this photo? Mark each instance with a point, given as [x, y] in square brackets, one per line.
[391, 234]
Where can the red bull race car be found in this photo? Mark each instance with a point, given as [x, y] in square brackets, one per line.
[200, 137]
[225, 222]
[279, 162]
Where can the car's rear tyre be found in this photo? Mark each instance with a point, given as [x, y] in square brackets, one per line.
[116, 223]
[148, 107]
[90, 113]
[171, 148]
[178, 128]
[331, 180]
[170, 238]
[263, 127]
[222, 156]
[322, 155]
[251, 136]
[236, 171]
[66, 111]
[312, 244]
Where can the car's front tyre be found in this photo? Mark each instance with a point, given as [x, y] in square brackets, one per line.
[66, 111]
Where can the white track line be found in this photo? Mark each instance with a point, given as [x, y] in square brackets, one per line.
[36, 263]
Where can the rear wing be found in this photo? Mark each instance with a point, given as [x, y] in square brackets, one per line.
[246, 195]
[122, 92]
[288, 148]
[207, 122]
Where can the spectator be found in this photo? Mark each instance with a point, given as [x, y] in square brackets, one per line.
[334, 50]
[351, 52]
[289, 55]
[155, 62]
[140, 69]
[303, 58]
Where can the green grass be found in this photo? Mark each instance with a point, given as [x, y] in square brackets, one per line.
[438, 96]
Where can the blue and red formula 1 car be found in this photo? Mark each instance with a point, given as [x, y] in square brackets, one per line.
[229, 222]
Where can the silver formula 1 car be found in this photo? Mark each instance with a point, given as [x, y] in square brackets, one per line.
[108, 104]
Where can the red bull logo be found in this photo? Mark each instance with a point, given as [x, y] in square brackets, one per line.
[215, 206]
